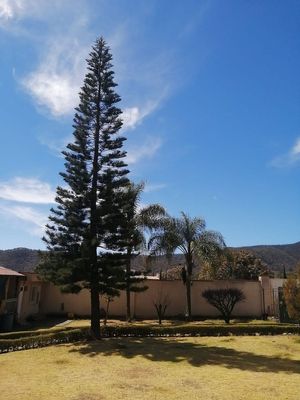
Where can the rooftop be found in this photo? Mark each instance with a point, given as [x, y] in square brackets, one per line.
[8, 272]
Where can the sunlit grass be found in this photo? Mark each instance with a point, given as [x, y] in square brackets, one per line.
[80, 323]
[52, 326]
[156, 368]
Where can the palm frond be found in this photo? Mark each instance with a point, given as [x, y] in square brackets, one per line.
[209, 246]
[151, 217]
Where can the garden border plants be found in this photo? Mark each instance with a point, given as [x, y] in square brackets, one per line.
[16, 341]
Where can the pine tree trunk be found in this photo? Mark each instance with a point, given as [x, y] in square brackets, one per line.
[128, 305]
[95, 311]
[106, 312]
[95, 301]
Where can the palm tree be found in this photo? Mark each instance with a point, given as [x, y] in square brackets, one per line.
[190, 237]
[138, 220]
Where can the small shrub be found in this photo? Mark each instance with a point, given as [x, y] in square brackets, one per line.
[224, 300]
[161, 303]
[291, 292]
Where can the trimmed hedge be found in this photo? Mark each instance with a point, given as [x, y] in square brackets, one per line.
[201, 330]
[42, 340]
[38, 332]
[70, 335]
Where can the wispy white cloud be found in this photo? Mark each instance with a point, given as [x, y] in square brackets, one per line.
[62, 49]
[54, 91]
[56, 81]
[146, 150]
[146, 78]
[295, 151]
[12, 11]
[35, 220]
[6, 10]
[133, 116]
[55, 144]
[27, 190]
[288, 159]
[152, 187]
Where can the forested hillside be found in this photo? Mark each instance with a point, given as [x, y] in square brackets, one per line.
[275, 256]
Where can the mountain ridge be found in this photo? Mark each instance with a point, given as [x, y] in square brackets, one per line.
[277, 257]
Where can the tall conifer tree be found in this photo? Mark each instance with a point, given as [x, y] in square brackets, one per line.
[84, 229]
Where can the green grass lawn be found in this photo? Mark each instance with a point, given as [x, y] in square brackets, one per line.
[265, 367]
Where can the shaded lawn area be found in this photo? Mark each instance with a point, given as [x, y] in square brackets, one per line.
[156, 368]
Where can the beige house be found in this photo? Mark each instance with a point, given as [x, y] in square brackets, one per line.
[38, 297]
[9, 287]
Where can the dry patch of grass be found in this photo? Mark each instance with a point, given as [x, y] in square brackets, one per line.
[81, 323]
[248, 368]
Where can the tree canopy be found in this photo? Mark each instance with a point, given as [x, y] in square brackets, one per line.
[291, 290]
[234, 264]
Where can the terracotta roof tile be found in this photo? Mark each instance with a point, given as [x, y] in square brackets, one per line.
[8, 272]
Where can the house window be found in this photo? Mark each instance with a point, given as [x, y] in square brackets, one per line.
[12, 291]
[2, 287]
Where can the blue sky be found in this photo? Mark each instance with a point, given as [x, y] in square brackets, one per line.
[211, 99]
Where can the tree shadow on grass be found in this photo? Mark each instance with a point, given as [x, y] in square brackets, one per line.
[196, 354]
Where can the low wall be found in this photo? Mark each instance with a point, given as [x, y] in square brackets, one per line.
[142, 303]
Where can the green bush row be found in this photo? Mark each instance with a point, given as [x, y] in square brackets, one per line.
[42, 340]
[204, 330]
[73, 335]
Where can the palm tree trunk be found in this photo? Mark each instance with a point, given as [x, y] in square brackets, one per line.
[189, 272]
[188, 296]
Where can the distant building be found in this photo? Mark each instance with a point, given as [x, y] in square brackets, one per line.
[9, 293]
